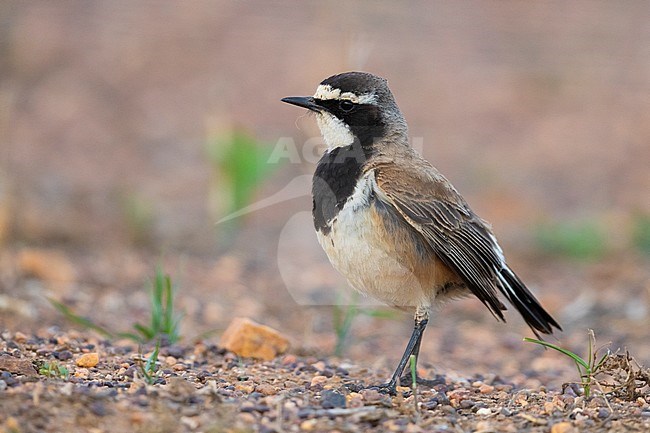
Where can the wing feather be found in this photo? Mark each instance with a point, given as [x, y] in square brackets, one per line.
[462, 240]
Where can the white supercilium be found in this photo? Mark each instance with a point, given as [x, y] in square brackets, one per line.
[325, 92]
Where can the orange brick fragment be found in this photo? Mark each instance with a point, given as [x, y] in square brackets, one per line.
[88, 360]
[249, 339]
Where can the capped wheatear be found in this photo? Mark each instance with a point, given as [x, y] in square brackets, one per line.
[391, 223]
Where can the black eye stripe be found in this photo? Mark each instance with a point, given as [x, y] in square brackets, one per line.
[334, 106]
[346, 105]
[364, 121]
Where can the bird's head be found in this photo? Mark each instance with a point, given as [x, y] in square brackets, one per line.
[354, 107]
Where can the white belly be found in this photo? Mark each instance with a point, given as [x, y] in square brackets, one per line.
[357, 250]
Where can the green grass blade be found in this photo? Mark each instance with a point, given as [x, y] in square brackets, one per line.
[174, 335]
[151, 361]
[82, 321]
[146, 333]
[576, 358]
[131, 336]
[590, 349]
[380, 314]
[168, 320]
[343, 328]
[336, 318]
[412, 362]
[171, 322]
[602, 360]
[156, 302]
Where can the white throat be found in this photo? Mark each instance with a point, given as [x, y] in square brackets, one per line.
[334, 131]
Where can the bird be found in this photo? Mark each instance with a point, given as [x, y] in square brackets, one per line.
[392, 224]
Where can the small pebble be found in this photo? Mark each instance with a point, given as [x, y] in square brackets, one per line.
[503, 387]
[64, 355]
[8, 378]
[342, 371]
[305, 412]
[81, 373]
[371, 395]
[567, 400]
[98, 408]
[289, 359]
[571, 390]
[331, 399]
[255, 408]
[247, 418]
[308, 425]
[430, 404]
[88, 360]
[244, 387]
[442, 398]
[466, 404]
[448, 409]
[266, 389]
[203, 375]
[562, 427]
[130, 372]
[175, 351]
[549, 407]
[413, 428]
[354, 400]
[603, 413]
[485, 427]
[318, 380]
[484, 411]
[191, 422]
[486, 389]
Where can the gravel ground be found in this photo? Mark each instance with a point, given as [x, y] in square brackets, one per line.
[56, 378]
[203, 388]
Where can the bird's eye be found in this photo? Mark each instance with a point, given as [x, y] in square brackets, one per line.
[346, 105]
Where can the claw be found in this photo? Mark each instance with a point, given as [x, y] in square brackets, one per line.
[384, 388]
[406, 380]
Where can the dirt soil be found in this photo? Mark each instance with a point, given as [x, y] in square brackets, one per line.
[484, 378]
[203, 388]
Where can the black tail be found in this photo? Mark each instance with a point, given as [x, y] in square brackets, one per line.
[530, 309]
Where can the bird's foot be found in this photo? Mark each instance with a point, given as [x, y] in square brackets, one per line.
[390, 388]
[407, 380]
[384, 388]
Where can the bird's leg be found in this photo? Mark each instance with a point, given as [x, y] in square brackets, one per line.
[407, 380]
[412, 348]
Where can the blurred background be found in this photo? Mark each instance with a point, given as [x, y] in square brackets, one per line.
[128, 129]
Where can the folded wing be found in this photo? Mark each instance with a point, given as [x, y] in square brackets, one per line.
[460, 239]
